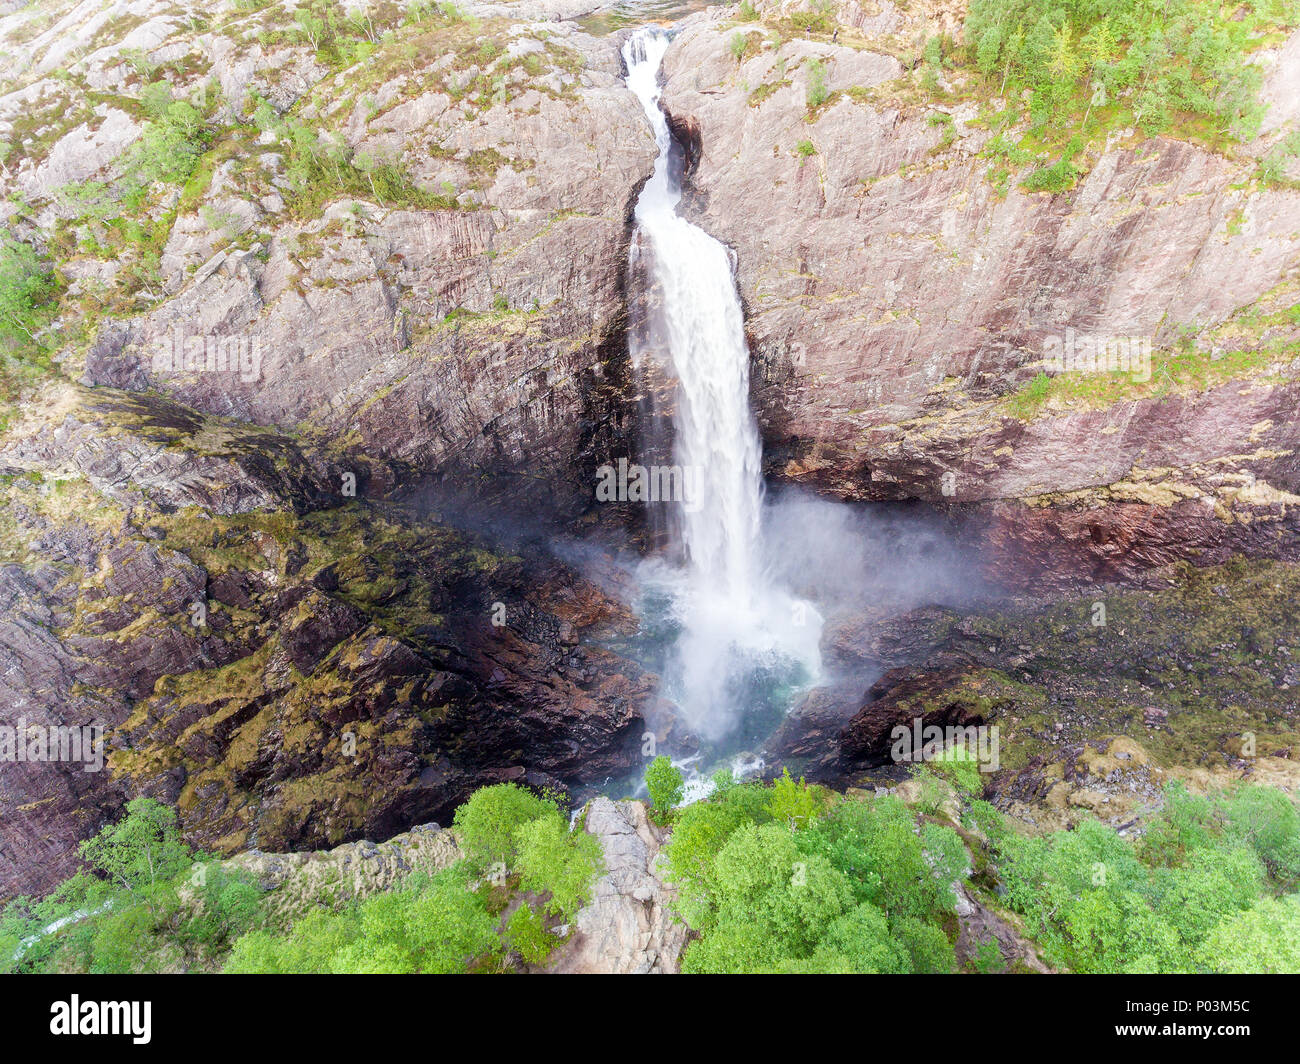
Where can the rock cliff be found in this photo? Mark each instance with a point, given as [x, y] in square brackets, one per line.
[323, 287]
[900, 300]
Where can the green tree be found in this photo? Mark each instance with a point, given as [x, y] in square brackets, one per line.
[793, 804]
[558, 863]
[526, 934]
[142, 852]
[698, 836]
[1263, 939]
[26, 285]
[486, 824]
[664, 782]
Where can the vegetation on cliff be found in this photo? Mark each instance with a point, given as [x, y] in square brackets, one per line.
[147, 902]
[795, 878]
[1086, 68]
[785, 877]
[144, 902]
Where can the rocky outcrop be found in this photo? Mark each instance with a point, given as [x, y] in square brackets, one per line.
[1095, 702]
[898, 302]
[627, 927]
[396, 257]
[288, 677]
[299, 883]
[443, 295]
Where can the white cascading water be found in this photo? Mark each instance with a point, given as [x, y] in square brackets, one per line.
[732, 619]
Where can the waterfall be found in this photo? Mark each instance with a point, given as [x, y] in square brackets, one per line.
[736, 627]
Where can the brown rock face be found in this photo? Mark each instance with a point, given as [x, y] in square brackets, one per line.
[462, 316]
[893, 701]
[895, 299]
[289, 679]
[186, 561]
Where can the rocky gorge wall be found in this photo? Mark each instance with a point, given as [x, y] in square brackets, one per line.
[899, 300]
[404, 239]
[434, 291]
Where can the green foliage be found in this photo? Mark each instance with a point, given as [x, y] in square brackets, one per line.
[487, 823]
[698, 836]
[1185, 824]
[738, 44]
[1058, 177]
[854, 890]
[750, 799]
[446, 923]
[434, 925]
[321, 167]
[748, 13]
[1266, 820]
[988, 958]
[526, 934]
[926, 946]
[1026, 402]
[151, 904]
[793, 804]
[1262, 939]
[141, 850]
[156, 98]
[558, 863]
[1272, 168]
[1262, 819]
[723, 780]
[170, 146]
[812, 21]
[877, 844]
[1155, 65]
[982, 817]
[148, 903]
[958, 766]
[664, 782]
[28, 290]
[1098, 904]
[818, 92]
[309, 950]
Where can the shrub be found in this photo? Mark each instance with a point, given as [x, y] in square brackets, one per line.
[664, 782]
[1156, 63]
[818, 93]
[558, 863]
[793, 804]
[27, 288]
[486, 824]
[769, 899]
[170, 146]
[526, 934]
[1267, 821]
[1058, 177]
[1263, 939]
[436, 925]
[698, 836]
